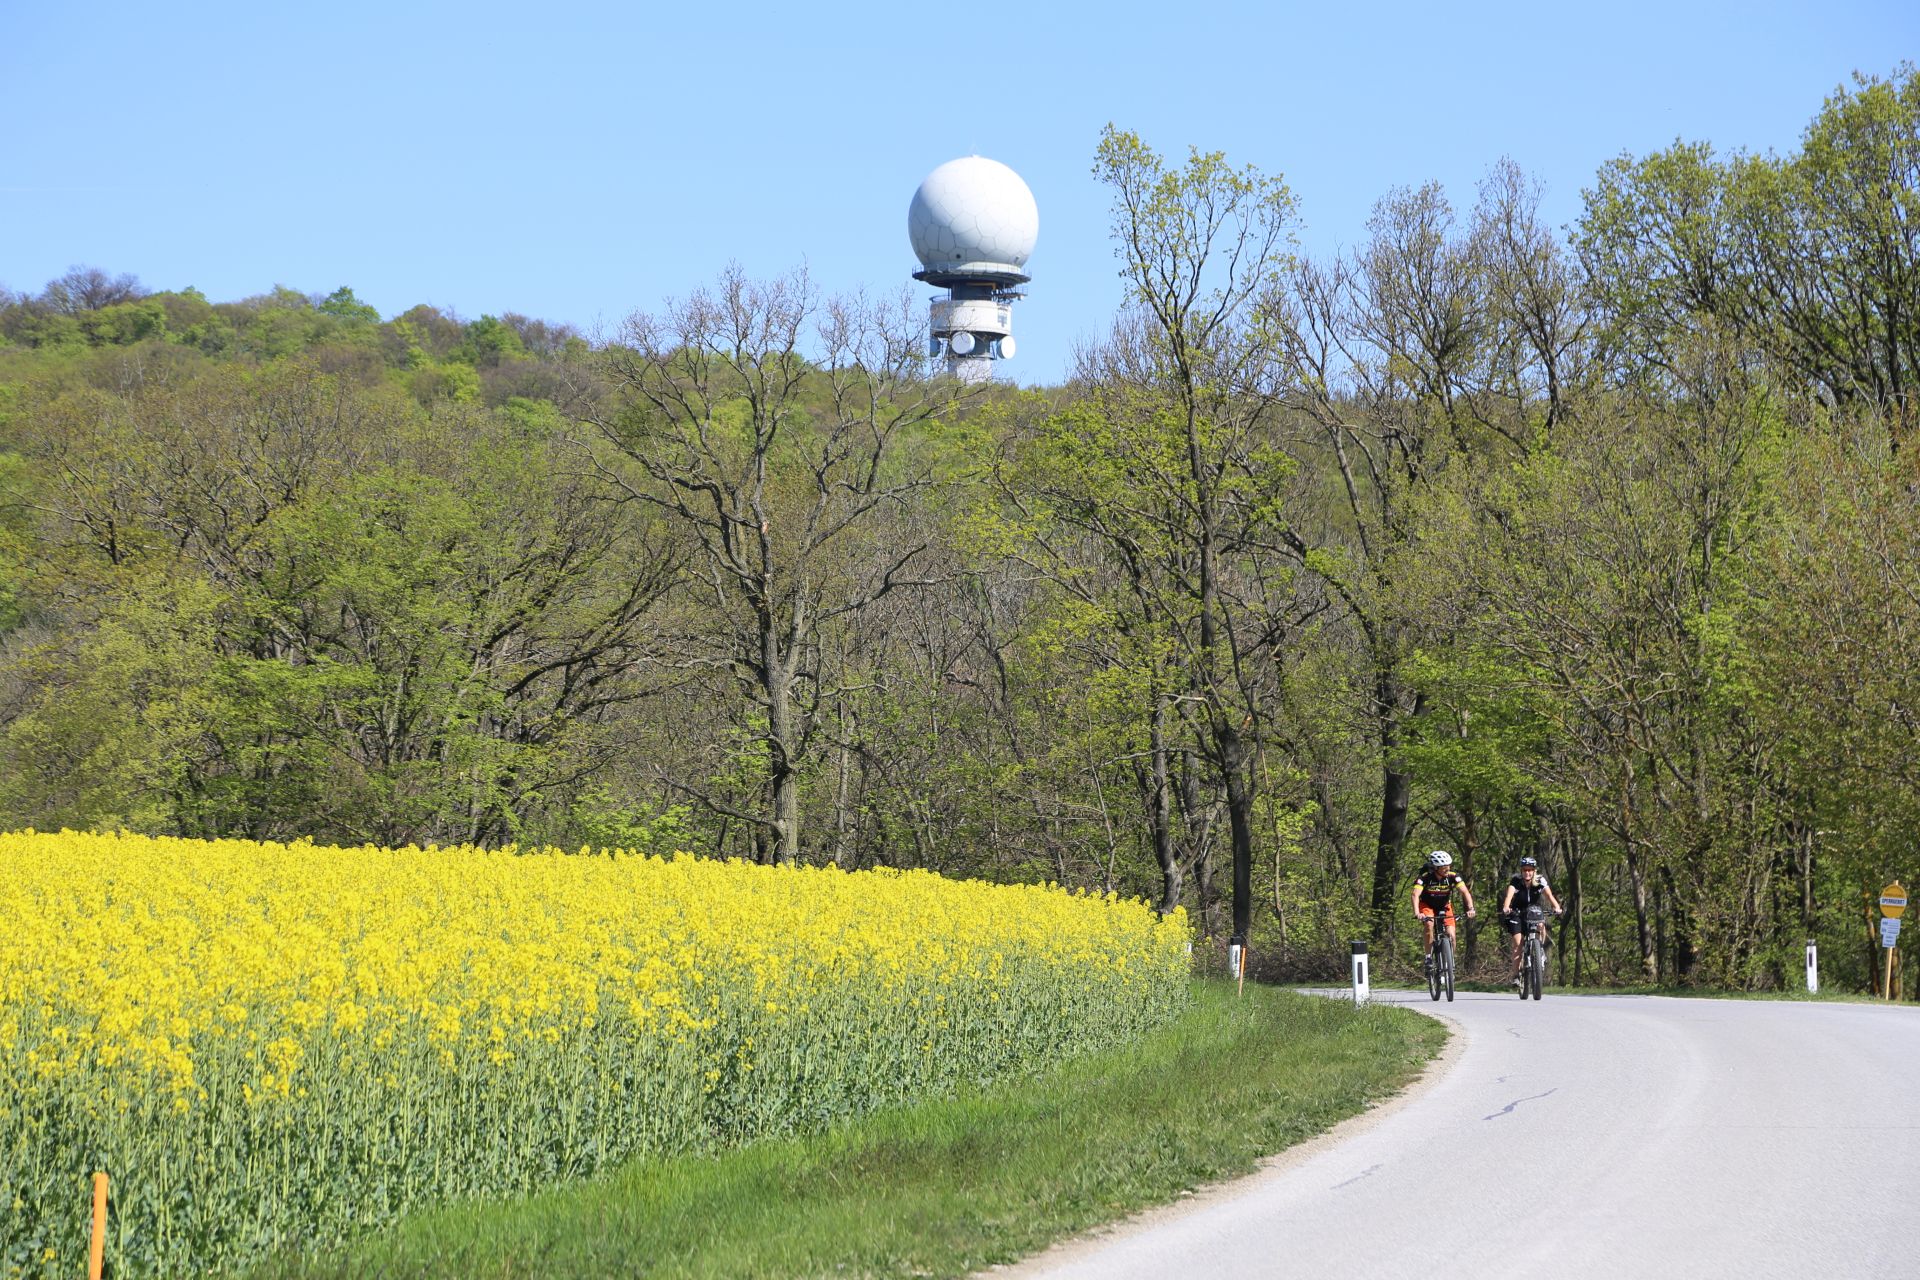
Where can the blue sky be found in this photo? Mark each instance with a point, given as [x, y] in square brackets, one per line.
[576, 161]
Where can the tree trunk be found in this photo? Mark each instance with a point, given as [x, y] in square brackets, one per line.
[1806, 880]
[840, 823]
[1576, 915]
[1396, 795]
[1228, 747]
[1328, 819]
[1637, 876]
[781, 749]
[1662, 963]
[1542, 834]
[1681, 918]
[1160, 813]
[1200, 831]
[1642, 918]
[1469, 845]
[1233, 764]
[1279, 911]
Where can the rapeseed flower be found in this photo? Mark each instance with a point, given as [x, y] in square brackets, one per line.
[285, 1043]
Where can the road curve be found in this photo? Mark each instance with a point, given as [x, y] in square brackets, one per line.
[1586, 1136]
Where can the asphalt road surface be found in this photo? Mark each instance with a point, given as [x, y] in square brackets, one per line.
[1585, 1136]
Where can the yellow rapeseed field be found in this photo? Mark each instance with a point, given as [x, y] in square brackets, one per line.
[274, 1044]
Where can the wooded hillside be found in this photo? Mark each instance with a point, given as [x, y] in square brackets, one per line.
[1600, 546]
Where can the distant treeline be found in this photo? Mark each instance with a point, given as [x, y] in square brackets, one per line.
[1600, 547]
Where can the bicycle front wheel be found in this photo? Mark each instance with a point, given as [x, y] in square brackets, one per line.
[1539, 969]
[1433, 968]
[1446, 960]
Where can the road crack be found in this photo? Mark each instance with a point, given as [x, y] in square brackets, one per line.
[1368, 1172]
[1508, 1109]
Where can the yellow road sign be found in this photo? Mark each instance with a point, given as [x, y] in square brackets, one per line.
[1893, 900]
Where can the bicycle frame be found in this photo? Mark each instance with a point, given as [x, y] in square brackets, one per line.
[1440, 961]
[1533, 952]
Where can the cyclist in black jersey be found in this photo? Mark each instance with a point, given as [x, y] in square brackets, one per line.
[1523, 891]
[1433, 893]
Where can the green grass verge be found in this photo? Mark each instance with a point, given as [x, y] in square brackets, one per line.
[948, 1187]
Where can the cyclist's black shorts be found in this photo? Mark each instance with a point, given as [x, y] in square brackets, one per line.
[1515, 925]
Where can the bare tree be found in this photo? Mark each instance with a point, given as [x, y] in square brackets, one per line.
[1534, 295]
[89, 289]
[774, 427]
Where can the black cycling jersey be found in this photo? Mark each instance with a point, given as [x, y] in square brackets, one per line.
[1437, 885]
[1525, 895]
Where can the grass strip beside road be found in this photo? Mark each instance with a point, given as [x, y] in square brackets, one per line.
[946, 1188]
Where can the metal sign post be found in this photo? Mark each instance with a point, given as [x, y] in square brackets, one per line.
[1359, 974]
[1889, 938]
[1813, 968]
[1893, 901]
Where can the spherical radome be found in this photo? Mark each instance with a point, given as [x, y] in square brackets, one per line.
[973, 214]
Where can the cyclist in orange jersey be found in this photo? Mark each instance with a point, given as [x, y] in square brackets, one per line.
[1433, 893]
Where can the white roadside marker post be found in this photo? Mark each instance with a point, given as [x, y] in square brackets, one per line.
[1359, 974]
[1237, 962]
[1813, 968]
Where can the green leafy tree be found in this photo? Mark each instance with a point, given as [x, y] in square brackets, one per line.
[1185, 396]
[342, 303]
[1813, 259]
[490, 343]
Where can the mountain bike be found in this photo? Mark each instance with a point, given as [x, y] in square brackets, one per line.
[1533, 953]
[1440, 960]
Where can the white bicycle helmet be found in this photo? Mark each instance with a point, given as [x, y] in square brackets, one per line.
[1439, 858]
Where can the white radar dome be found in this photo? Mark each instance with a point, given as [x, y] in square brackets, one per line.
[973, 215]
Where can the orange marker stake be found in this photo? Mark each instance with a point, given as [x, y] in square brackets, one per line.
[97, 1252]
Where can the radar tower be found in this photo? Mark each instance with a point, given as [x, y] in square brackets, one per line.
[973, 224]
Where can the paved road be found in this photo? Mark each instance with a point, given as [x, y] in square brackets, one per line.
[1588, 1136]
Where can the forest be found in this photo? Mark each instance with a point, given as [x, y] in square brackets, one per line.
[1595, 543]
